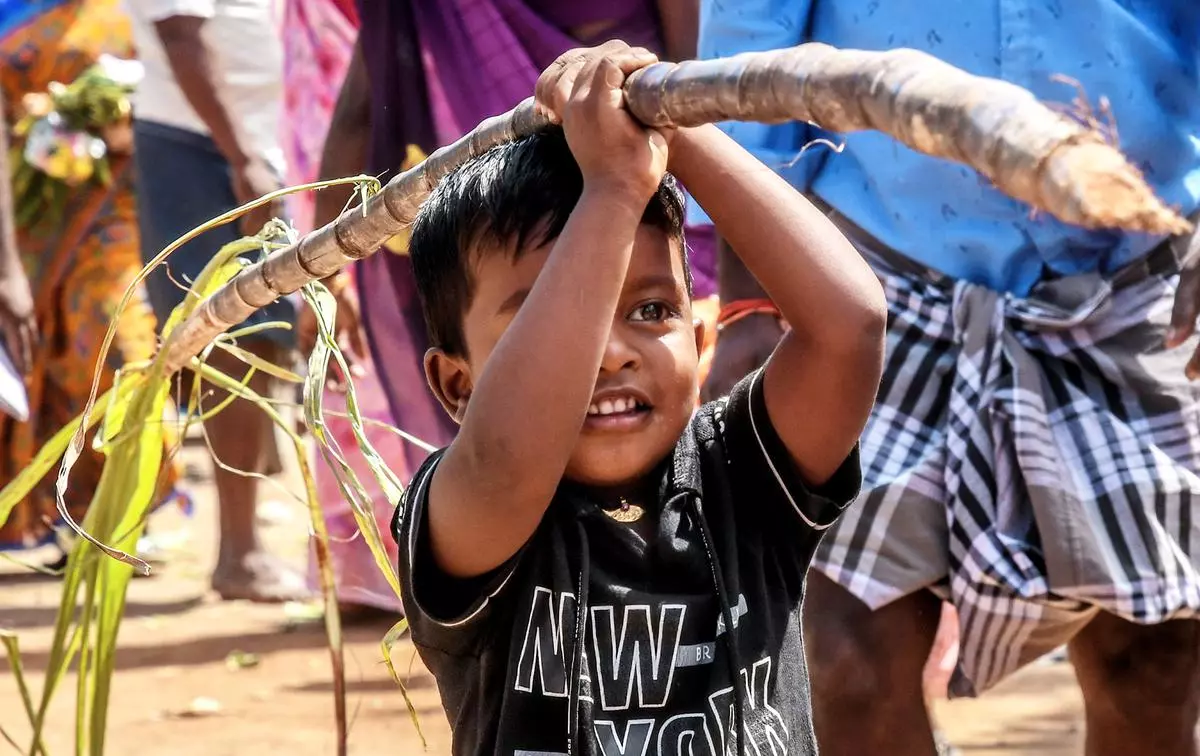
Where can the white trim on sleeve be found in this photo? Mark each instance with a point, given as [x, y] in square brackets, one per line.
[771, 463]
[421, 492]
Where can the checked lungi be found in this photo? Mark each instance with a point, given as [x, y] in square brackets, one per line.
[1034, 461]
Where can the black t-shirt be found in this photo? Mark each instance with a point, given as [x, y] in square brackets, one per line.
[731, 542]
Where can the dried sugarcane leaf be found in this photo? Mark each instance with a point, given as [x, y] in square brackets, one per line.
[333, 628]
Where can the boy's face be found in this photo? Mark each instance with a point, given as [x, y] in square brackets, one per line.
[647, 386]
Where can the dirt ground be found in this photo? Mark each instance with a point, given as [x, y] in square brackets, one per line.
[178, 643]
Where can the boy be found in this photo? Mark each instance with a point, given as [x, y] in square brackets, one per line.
[590, 567]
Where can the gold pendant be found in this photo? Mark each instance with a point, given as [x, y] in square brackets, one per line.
[626, 513]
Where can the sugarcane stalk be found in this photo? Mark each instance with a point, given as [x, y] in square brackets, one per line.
[1031, 152]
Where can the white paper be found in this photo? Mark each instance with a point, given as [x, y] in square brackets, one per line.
[14, 402]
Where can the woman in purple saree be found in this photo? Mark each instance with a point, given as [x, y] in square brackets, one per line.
[424, 73]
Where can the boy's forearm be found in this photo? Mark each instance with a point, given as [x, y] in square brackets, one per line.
[191, 64]
[820, 283]
[345, 151]
[821, 380]
[527, 408]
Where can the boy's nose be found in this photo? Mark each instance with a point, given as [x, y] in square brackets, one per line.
[618, 353]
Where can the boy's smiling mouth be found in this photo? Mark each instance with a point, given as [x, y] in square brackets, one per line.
[617, 410]
[617, 406]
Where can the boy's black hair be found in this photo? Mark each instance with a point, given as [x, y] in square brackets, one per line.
[522, 193]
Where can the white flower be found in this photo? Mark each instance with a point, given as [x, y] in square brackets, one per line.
[127, 73]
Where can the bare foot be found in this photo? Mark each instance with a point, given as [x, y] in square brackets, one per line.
[259, 577]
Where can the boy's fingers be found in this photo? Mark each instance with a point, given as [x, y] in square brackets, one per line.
[609, 72]
[565, 86]
[566, 65]
[609, 75]
[593, 71]
[544, 90]
[556, 84]
[620, 57]
[565, 82]
[625, 63]
[609, 48]
[632, 59]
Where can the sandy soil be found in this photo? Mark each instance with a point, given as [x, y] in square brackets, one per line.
[177, 643]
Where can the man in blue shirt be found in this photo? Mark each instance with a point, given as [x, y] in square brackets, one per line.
[1034, 452]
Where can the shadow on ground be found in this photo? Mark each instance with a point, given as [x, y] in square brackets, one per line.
[27, 617]
[284, 636]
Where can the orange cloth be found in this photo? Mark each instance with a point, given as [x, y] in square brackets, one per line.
[78, 270]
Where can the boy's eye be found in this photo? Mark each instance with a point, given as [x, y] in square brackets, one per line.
[650, 312]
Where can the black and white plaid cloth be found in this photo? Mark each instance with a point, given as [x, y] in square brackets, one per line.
[1033, 460]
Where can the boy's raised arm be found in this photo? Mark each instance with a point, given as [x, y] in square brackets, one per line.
[821, 381]
[528, 406]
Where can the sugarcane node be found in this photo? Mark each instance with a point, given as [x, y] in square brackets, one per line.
[307, 254]
[233, 307]
[348, 233]
[402, 195]
[643, 94]
[253, 288]
[265, 273]
[397, 211]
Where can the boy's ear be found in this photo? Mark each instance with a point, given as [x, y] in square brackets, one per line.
[450, 380]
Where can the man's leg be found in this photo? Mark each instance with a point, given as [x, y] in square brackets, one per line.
[167, 208]
[240, 438]
[1141, 686]
[866, 670]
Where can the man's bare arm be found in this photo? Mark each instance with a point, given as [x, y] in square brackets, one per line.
[192, 65]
